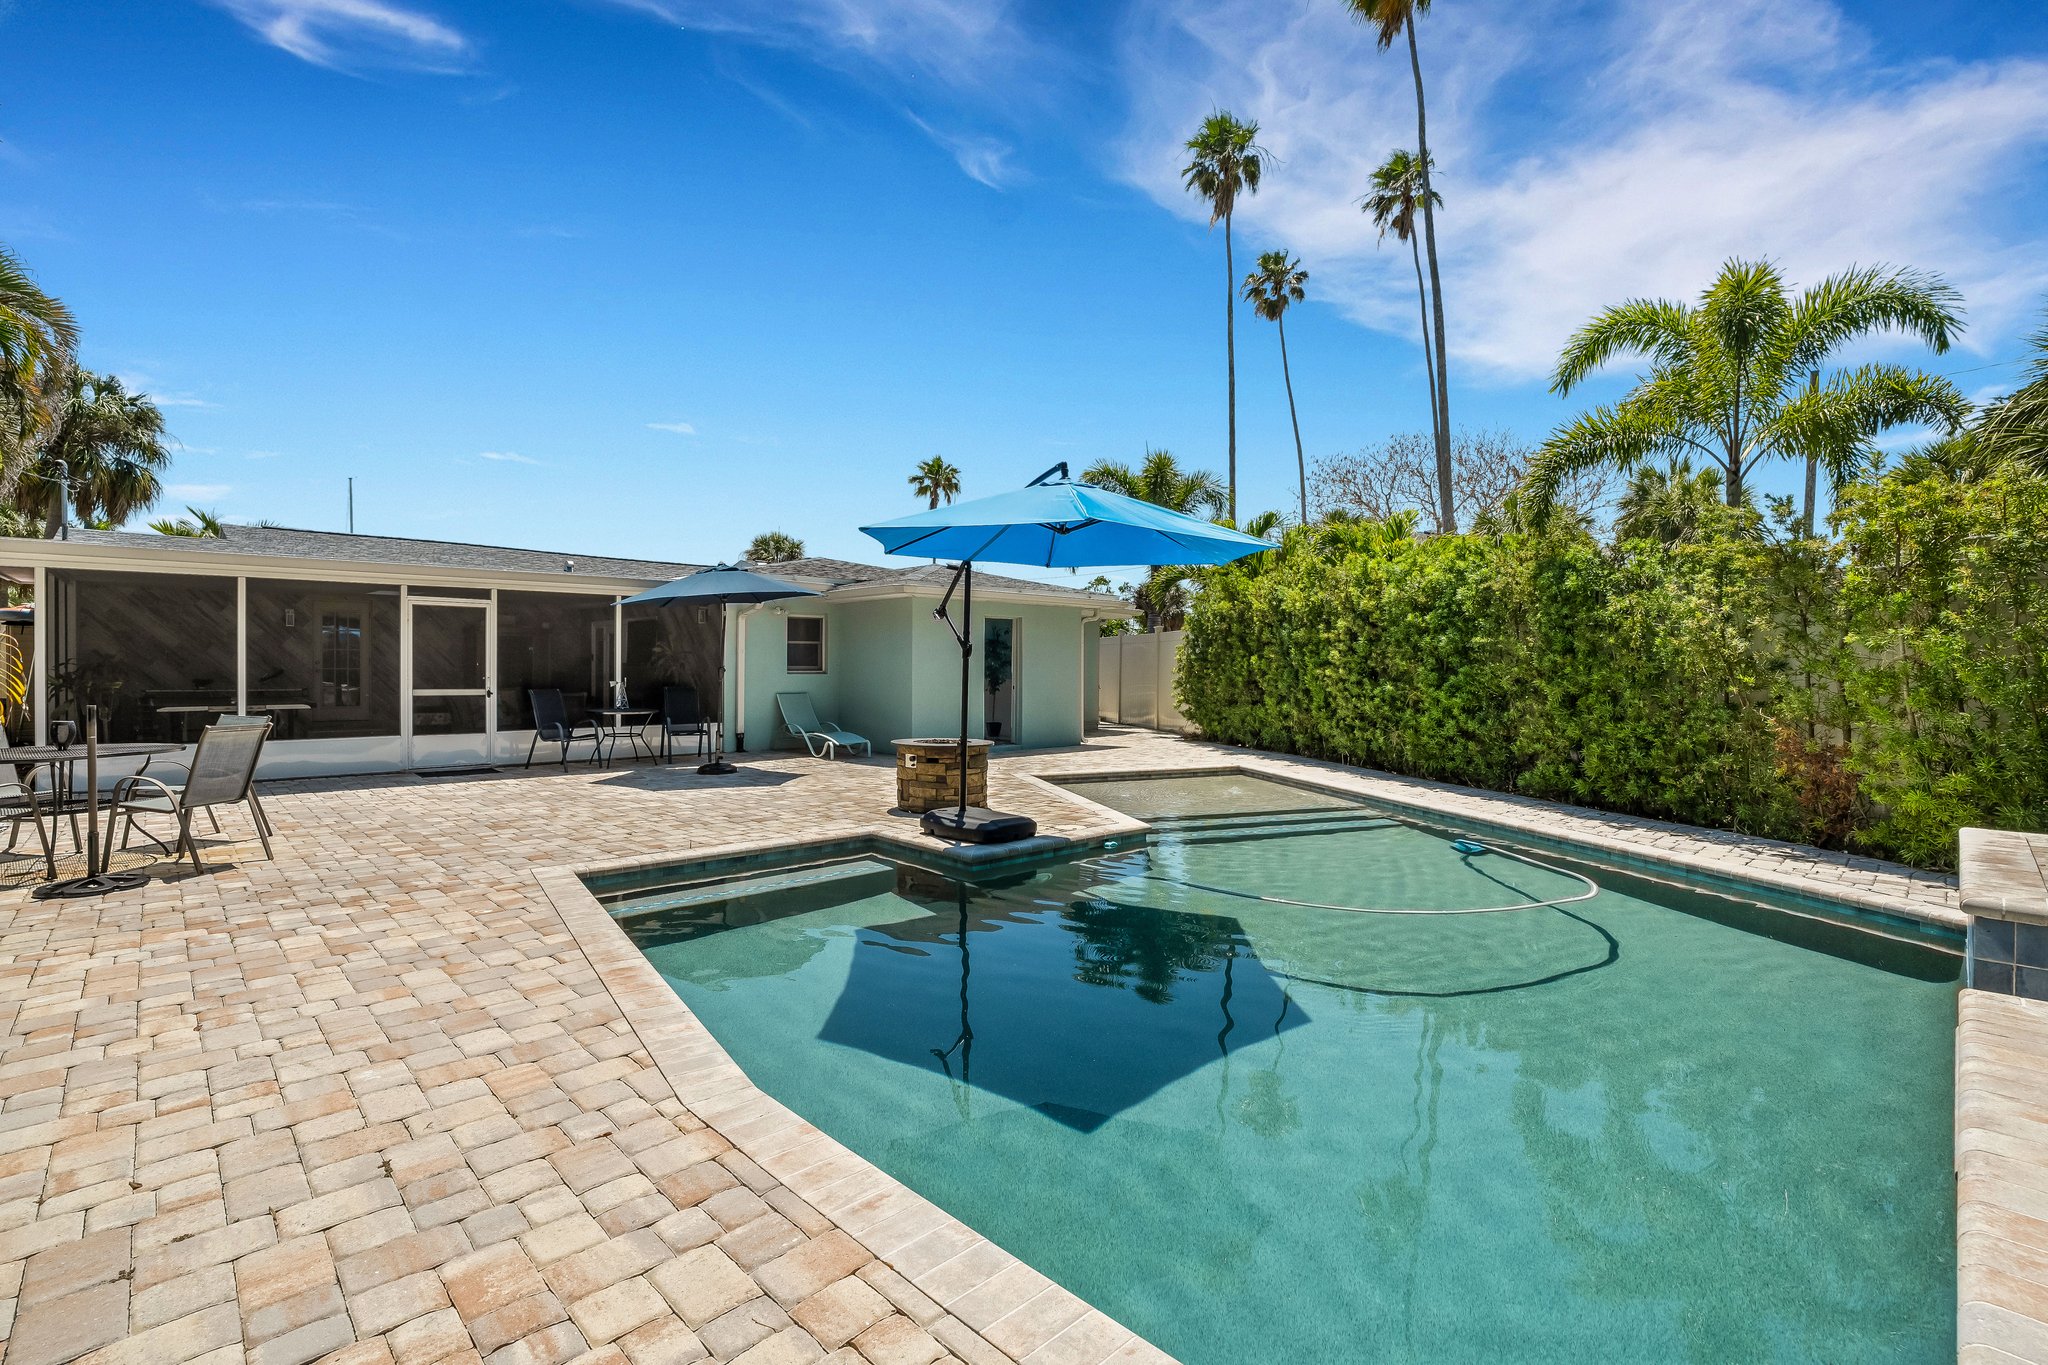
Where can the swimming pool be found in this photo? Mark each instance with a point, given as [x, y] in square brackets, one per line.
[1650, 1123]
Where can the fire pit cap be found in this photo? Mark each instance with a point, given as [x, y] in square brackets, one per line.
[947, 743]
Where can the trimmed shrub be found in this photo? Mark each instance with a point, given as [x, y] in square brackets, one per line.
[1876, 691]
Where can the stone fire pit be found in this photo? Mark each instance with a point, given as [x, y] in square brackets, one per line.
[928, 774]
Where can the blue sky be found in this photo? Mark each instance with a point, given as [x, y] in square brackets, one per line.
[650, 276]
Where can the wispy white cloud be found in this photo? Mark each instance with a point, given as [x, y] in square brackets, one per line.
[987, 159]
[506, 457]
[198, 492]
[135, 381]
[350, 35]
[1693, 131]
[952, 41]
[678, 428]
[338, 212]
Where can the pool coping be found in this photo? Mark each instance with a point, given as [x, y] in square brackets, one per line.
[1013, 1307]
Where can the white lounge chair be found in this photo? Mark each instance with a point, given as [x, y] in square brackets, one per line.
[822, 738]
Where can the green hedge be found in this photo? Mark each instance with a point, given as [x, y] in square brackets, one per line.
[1875, 690]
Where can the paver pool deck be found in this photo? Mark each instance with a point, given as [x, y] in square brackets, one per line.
[405, 1094]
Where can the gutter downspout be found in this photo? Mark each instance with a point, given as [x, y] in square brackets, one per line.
[1091, 720]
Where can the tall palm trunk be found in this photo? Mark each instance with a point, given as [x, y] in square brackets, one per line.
[1428, 355]
[1436, 289]
[1812, 460]
[1300, 460]
[1230, 354]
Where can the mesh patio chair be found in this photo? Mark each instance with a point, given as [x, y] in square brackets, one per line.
[551, 723]
[18, 802]
[64, 803]
[681, 715]
[222, 773]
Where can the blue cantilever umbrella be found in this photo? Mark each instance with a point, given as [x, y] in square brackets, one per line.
[716, 587]
[1053, 522]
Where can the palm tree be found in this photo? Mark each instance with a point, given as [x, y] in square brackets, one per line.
[2016, 428]
[1160, 480]
[1668, 504]
[195, 523]
[107, 442]
[1265, 525]
[774, 547]
[1224, 161]
[1269, 290]
[935, 479]
[1399, 188]
[37, 339]
[1730, 378]
[1389, 20]
[36, 333]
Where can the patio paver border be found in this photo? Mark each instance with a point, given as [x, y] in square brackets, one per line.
[1013, 1307]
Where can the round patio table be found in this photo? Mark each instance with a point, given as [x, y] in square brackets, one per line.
[60, 761]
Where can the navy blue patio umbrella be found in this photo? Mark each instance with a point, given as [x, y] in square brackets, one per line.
[718, 586]
[1054, 522]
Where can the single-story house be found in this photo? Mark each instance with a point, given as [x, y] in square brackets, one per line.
[376, 653]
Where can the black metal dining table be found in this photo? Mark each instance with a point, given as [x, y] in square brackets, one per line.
[59, 759]
[624, 722]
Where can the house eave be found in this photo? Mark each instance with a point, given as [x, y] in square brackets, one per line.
[23, 552]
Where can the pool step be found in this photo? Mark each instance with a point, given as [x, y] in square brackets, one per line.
[725, 891]
[1245, 819]
[1263, 829]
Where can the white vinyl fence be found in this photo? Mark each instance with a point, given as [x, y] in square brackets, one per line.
[1135, 680]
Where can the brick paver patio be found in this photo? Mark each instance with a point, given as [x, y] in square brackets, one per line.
[374, 1102]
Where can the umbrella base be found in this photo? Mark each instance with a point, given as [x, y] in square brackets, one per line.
[978, 826]
[717, 767]
[82, 888]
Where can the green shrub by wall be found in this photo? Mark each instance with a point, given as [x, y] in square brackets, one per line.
[1876, 690]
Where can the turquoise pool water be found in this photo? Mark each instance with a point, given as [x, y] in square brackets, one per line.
[1650, 1125]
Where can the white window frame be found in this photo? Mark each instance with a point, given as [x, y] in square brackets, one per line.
[823, 656]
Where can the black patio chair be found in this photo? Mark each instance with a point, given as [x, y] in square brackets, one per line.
[551, 723]
[681, 715]
[222, 773]
[18, 802]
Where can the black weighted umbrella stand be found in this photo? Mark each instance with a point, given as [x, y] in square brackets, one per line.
[97, 881]
[970, 824]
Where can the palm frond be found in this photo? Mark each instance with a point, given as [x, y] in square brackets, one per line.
[1387, 18]
[1613, 437]
[1224, 160]
[1657, 328]
[1862, 300]
[2016, 428]
[1835, 422]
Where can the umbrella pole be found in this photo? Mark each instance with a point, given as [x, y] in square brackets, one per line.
[966, 669]
[97, 881]
[718, 767]
[92, 791]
